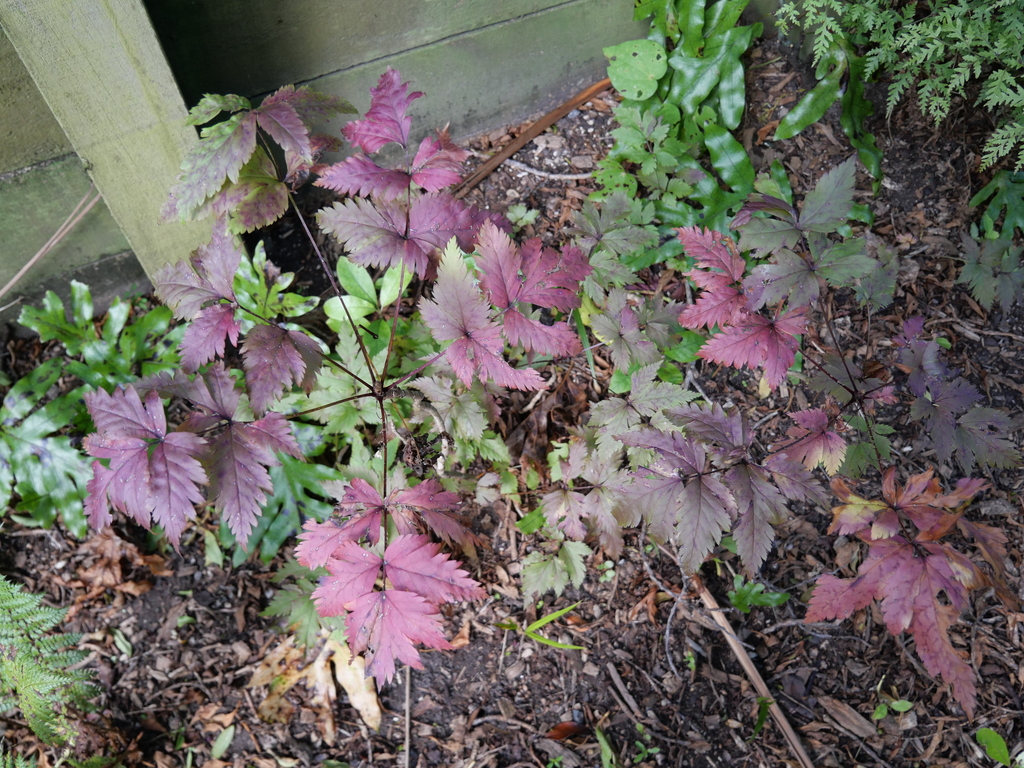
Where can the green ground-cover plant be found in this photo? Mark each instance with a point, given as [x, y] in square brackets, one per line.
[41, 470]
[674, 156]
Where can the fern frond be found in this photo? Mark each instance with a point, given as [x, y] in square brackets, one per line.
[10, 760]
[34, 661]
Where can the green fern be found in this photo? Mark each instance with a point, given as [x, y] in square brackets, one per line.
[34, 674]
[939, 49]
[9, 760]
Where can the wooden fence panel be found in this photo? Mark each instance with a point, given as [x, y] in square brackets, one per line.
[102, 72]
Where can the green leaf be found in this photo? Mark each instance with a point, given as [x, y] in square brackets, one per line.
[211, 549]
[553, 643]
[357, 281]
[393, 285]
[635, 67]
[902, 705]
[729, 158]
[533, 522]
[222, 742]
[812, 107]
[880, 712]
[542, 573]
[994, 744]
[554, 616]
[572, 554]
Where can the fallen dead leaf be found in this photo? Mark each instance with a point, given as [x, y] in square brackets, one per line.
[280, 670]
[848, 717]
[461, 640]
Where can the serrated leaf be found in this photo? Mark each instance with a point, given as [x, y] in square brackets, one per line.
[386, 120]
[218, 157]
[153, 475]
[458, 313]
[760, 342]
[828, 205]
[275, 358]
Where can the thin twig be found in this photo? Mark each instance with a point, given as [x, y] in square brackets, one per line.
[755, 677]
[543, 174]
[408, 716]
[533, 131]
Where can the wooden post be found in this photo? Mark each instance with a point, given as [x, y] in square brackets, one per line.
[100, 67]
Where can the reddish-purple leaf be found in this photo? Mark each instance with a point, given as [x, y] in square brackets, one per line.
[458, 312]
[619, 327]
[438, 162]
[513, 279]
[564, 509]
[187, 285]
[239, 480]
[794, 480]
[386, 119]
[358, 175]
[377, 235]
[759, 506]
[318, 542]
[760, 342]
[281, 120]
[722, 306]
[218, 157]
[788, 277]
[718, 260]
[908, 587]
[532, 274]
[813, 442]
[713, 424]
[678, 489]
[256, 199]
[386, 624]
[205, 337]
[353, 570]
[434, 506]
[414, 563]
[275, 358]
[153, 476]
[557, 339]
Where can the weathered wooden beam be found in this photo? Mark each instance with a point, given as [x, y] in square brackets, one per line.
[102, 72]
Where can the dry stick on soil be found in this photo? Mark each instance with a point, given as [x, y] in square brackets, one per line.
[533, 131]
[408, 716]
[755, 677]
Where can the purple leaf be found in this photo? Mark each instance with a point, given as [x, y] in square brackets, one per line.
[274, 359]
[187, 285]
[386, 119]
[239, 480]
[759, 342]
[153, 476]
[205, 336]
[414, 563]
[256, 199]
[377, 235]
[458, 312]
[358, 175]
[438, 162]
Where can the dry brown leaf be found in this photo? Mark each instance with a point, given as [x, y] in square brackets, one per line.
[461, 640]
[848, 717]
[282, 669]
